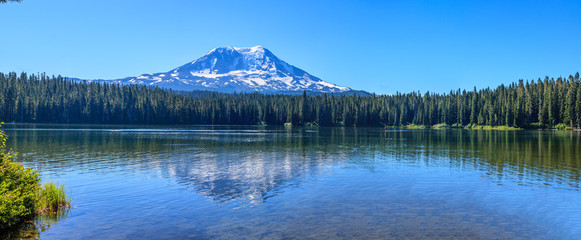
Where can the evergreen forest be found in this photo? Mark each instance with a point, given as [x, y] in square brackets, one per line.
[38, 98]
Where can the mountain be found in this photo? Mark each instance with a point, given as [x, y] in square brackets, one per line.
[232, 69]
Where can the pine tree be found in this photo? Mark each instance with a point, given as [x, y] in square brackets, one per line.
[570, 105]
[44, 99]
[5, 1]
[578, 105]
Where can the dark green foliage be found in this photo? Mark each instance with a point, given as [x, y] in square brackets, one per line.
[21, 195]
[43, 99]
[5, 1]
[18, 189]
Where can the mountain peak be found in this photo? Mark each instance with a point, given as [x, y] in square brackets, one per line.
[222, 49]
[251, 49]
[259, 49]
[240, 69]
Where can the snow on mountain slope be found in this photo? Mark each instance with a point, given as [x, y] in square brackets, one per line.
[229, 69]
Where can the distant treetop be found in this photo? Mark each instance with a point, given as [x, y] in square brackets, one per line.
[4, 1]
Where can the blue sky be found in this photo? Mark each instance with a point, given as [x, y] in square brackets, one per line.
[377, 46]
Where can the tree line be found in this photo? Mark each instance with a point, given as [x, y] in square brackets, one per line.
[39, 98]
[5, 1]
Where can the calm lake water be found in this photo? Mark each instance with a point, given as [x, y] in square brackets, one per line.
[250, 182]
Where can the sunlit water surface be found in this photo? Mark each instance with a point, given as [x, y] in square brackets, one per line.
[225, 182]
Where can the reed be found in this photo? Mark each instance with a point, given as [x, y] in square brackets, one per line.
[52, 197]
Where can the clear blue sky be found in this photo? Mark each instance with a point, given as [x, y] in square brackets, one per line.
[377, 46]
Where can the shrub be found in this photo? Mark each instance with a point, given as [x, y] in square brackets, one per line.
[21, 196]
[456, 125]
[560, 126]
[18, 189]
[501, 128]
[413, 126]
[311, 124]
[440, 126]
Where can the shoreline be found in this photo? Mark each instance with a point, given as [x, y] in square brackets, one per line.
[400, 127]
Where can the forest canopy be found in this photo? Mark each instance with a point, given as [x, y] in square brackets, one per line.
[33, 98]
[5, 1]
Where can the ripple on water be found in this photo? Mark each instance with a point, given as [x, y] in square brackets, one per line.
[328, 183]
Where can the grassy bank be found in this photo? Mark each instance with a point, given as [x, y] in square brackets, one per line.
[487, 127]
[456, 126]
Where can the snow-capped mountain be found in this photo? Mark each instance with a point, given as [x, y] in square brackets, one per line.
[229, 69]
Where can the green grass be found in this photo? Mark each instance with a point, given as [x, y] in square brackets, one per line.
[413, 126]
[440, 126]
[499, 128]
[52, 197]
[560, 126]
[458, 126]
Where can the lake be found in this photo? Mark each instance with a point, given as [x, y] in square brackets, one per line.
[253, 182]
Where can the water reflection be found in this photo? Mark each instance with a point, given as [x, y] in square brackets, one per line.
[527, 157]
[34, 228]
[253, 163]
[266, 182]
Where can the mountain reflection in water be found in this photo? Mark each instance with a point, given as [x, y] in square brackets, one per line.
[269, 182]
[248, 164]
